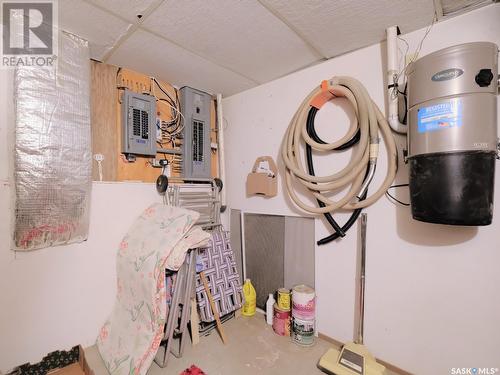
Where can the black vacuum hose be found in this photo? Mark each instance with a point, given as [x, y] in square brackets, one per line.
[311, 131]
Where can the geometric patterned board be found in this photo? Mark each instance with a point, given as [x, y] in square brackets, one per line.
[222, 275]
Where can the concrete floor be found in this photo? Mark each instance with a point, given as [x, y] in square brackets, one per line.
[252, 348]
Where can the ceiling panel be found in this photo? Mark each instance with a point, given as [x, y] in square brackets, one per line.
[240, 35]
[128, 9]
[340, 26]
[231, 45]
[453, 6]
[100, 28]
[147, 53]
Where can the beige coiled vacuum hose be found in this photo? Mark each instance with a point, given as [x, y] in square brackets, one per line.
[369, 120]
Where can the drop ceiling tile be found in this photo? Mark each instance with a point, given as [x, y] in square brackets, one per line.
[455, 6]
[128, 9]
[101, 29]
[340, 26]
[150, 54]
[240, 35]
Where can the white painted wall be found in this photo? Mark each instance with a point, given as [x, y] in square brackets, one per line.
[55, 298]
[432, 299]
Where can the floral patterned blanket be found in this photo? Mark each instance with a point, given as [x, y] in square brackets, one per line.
[129, 339]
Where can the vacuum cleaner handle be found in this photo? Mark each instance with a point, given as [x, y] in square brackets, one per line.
[361, 294]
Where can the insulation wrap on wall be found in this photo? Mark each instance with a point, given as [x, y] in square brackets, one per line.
[52, 154]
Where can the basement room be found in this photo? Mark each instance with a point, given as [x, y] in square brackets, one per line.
[218, 187]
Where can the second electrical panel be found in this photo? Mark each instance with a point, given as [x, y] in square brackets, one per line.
[195, 107]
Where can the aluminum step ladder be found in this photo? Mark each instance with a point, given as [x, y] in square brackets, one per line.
[203, 197]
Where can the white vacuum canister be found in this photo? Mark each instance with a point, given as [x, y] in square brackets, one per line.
[452, 137]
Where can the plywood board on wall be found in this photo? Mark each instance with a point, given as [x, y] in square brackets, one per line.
[108, 83]
[141, 169]
[103, 118]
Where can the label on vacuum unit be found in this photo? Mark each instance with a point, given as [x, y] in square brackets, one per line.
[447, 74]
[353, 361]
[439, 116]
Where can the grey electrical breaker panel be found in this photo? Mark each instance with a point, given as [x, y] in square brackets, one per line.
[196, 157]
[138, 124]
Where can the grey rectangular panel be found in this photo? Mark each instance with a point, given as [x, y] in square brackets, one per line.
[264, 253]
[138, 124]
[299, 251]
[195, 108]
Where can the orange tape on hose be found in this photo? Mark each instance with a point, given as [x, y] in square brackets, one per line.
[324, 85]
[324, 96]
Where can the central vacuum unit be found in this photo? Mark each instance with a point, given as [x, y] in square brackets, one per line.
[452, 137]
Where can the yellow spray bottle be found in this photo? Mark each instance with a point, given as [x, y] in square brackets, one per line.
[250, 299]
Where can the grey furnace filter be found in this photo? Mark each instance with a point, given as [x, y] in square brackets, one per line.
[452, 140]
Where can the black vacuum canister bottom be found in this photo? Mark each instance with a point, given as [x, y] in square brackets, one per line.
[453, 188]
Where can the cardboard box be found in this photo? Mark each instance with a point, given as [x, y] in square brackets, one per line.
[73, 363]
[263, 181]
[78, 368]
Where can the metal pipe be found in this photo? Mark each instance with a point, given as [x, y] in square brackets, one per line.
[361, 294]
[188, 179]
[195, 196]
[198, 202]
[392, 81]
[368, 179]
[169, 151]
[221, 159]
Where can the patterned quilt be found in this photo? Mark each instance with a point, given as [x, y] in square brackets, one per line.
[217, 261]
[129, 339]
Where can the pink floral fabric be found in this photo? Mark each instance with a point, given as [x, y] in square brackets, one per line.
[129, 339]
[178, 253]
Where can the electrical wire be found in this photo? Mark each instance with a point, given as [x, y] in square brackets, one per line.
[174, 127]
[405, 97]
[164, 91]
[406, 50]
[369, 121]
[392, 197]
[417, 51]
[395, 92]
[177, 123]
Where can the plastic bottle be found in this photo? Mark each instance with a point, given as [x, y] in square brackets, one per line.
[269, 309]
[250, 299]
